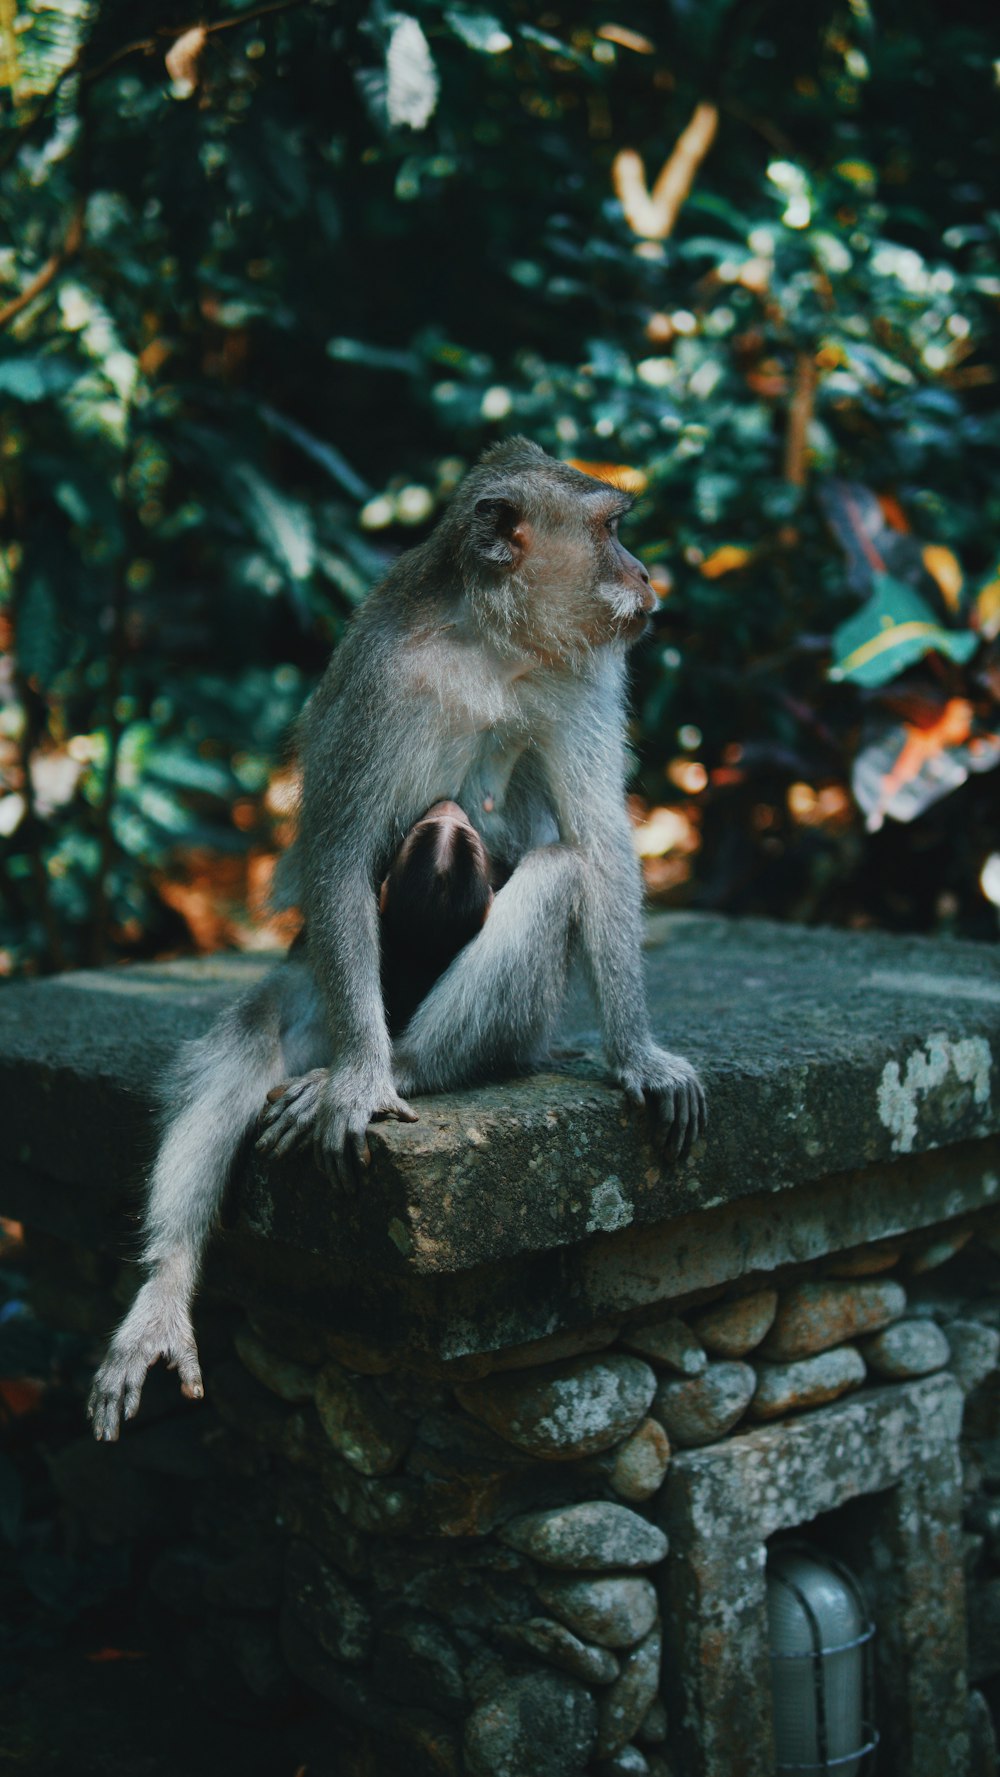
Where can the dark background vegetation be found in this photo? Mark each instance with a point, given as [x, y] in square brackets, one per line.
[269, 279]
[254, 323]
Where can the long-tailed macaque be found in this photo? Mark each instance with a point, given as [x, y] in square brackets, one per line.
[462, 838]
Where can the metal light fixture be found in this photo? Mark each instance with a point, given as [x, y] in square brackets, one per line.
[821, 1669]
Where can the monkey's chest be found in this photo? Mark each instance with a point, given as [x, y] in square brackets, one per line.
[483, 793]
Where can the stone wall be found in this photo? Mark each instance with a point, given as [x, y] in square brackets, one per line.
[496, 1493]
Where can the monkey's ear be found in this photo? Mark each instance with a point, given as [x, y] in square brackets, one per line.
[502, 534]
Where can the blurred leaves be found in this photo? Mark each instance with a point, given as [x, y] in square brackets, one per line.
[273, 278]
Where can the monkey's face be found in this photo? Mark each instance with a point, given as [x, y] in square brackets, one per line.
[569, 581]
[585, 587]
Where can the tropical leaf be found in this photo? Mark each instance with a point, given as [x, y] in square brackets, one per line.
[890, 633]
[908, 767]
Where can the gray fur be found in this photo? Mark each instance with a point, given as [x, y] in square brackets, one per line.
[488, 669]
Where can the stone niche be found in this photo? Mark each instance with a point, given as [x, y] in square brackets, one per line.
[491, 1455]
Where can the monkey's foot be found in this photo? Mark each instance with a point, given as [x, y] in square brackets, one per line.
[332, 1109]
[290, 1114]
[671, 1089]
[157, 1325]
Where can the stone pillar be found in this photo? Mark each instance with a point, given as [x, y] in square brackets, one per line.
[720, 1504]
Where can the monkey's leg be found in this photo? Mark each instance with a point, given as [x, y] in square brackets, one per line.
[210, 1098]
[433, 902]
[494, 1009]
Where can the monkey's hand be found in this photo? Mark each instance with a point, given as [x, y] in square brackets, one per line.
[332, 1108]
[157, 1325]
[669, 1086]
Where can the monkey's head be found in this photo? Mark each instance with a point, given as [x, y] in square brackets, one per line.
[540, 554]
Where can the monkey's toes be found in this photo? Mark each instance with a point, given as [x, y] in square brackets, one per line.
[104, 1412]
[290, 1113]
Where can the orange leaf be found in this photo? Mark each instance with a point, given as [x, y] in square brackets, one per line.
[893, 513]
[725, 560]
[631, 481]
[183, 56]
[21, 1397]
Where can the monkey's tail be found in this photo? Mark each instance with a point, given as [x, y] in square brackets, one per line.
[209, 1100]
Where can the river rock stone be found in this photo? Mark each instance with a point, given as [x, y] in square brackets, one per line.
[654, 1725]
[639, 1465]
[975, 1351]
[698, 1409]
[814, 1317]
[789, 1388]
[324, 1607]
[982, 1736]
[556, 1346]
[668, 1344]
[938, 1251]
[557, 1645]
[563, 1411]
[614, 1612]
[541, 1725]
[593, 1536]
[629, 1762]
[359, 1424]
[865, 1261]
[285, 1377]
[907, 1348]
[731, 1329]
[623, 1706]
[416, 1663]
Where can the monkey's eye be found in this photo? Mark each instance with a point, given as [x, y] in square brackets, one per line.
[611, 526]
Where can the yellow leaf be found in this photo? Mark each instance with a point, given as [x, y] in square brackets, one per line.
[652, 214]
[725, 560]
[986, 615]
[857, 172]
[626, 39]
[944, 568]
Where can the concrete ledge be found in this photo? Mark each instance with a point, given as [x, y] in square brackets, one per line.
[822, 1051]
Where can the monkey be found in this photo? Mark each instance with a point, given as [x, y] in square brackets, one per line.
[463, 840]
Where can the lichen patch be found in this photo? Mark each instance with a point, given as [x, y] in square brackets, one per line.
[939, 1068]
[609, 1208]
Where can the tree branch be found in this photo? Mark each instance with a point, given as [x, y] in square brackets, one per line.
[800, 413]
[50, 270]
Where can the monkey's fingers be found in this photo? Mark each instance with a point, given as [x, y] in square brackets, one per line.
[679, 1124]
[283, 1132]
[332, 1157]
[399, 1110]
[189, 1374]
[115, 1395]
[288, 1118]
[291, 1090]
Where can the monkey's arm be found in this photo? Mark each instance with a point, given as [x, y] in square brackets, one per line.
[586, 768]
[350, 801]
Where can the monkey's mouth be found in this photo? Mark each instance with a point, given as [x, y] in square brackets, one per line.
[634, 626]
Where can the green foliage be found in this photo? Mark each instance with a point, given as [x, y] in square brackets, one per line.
[261, 308]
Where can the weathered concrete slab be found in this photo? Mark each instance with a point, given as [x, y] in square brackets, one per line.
[822, 1052]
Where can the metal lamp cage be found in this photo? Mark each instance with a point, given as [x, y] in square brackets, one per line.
[787, 1568]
